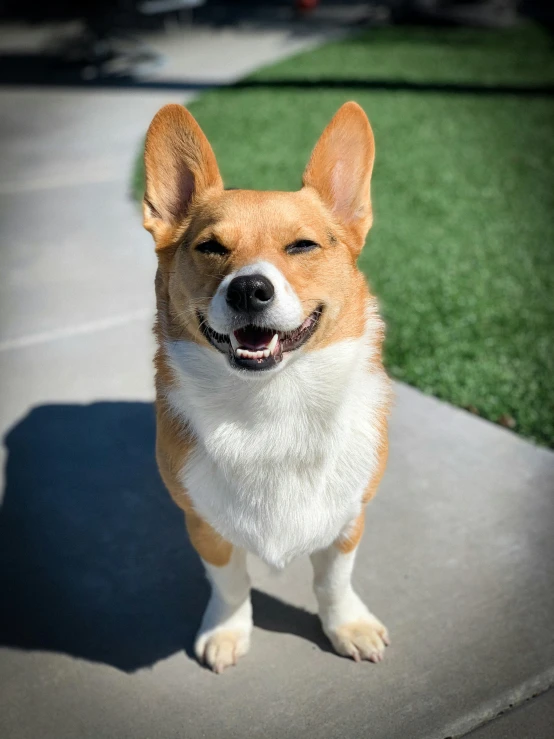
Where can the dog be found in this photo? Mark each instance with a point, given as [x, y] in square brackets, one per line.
[271, 397]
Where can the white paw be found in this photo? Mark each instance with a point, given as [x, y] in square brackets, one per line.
[221, 648]
[224, 635]
[362, 639]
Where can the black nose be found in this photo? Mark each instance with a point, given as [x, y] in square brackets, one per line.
[251, 293]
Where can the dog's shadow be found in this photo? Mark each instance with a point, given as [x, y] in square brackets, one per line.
[94, 558]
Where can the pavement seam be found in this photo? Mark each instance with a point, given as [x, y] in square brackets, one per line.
[60, 182]
[80, 330]
[508, 702]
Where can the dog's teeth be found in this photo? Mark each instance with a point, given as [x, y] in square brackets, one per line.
[272, 344]
[247, 354]
[259, 353]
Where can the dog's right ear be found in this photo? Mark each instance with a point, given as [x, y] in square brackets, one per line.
[180, 164]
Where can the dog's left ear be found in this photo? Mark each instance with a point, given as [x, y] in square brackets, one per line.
[340, 170]
[180, 165]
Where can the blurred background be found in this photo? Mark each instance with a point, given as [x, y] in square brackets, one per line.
[100, 593]
[459, 94]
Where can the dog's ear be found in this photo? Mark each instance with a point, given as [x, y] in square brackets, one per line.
[340, 170]
[180, 164]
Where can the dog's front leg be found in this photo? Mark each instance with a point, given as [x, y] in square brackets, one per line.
[352, 629]
[224, 634]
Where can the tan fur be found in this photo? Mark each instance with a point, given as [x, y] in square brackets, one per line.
[351, 540]
[174, 138]
[173, 444]
[346, 145]
[185, 204]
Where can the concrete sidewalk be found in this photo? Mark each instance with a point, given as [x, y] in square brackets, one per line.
[100, 593]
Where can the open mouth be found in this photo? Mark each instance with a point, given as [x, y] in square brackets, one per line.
[260, 348]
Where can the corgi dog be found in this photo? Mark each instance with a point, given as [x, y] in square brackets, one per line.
[271, 397]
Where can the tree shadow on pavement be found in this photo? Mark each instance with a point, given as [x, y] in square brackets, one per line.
[94, 558]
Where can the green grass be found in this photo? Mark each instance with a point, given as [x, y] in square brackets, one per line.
[461, 254]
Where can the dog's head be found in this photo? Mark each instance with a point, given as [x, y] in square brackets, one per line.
[259, 277]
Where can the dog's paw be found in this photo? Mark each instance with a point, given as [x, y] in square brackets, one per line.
[362, 639]
[221, 648]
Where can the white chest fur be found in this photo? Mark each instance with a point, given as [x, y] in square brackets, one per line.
[281, 462]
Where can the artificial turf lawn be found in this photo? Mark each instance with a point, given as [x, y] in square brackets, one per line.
[461, 254]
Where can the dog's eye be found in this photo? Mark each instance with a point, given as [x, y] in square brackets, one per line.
[301, 247]
[212, 247]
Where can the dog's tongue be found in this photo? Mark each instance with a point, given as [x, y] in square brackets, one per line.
[253, 338]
